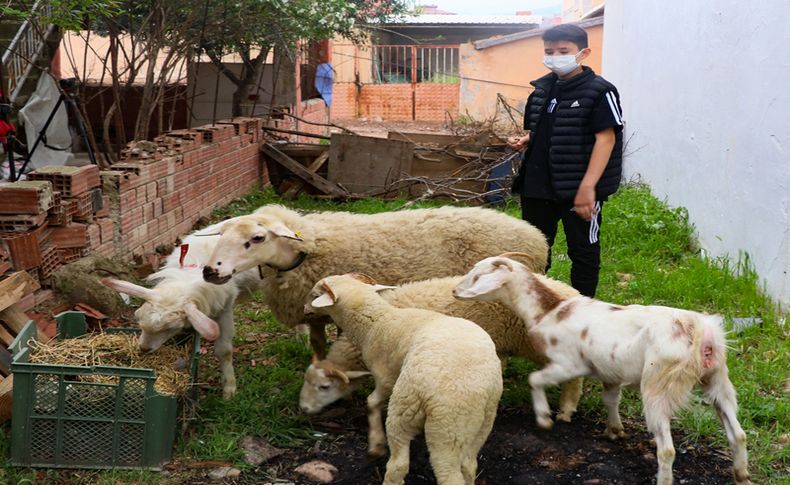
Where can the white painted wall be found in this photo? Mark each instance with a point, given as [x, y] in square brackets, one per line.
[706, 96]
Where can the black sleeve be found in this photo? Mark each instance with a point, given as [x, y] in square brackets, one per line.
[526, 111]
[607, 113]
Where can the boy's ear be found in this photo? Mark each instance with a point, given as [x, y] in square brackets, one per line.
[584, 53]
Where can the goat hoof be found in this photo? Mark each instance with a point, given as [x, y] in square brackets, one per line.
[376, 450]
[229, 392]
[545, 423]
[615, 434]
[565, 416]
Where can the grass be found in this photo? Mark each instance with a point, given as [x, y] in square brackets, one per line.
[650, 257]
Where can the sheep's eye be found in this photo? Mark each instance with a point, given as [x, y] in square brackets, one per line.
[258, 239]
[324, 387]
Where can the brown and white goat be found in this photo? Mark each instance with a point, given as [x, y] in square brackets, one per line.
[665, 351]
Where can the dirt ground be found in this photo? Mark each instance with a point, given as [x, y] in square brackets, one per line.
[516, 453]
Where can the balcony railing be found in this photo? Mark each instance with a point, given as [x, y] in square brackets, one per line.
[27, 45]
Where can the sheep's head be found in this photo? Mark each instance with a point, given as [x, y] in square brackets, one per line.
[325, 293]
[325, 384]
[486, 280]
[164, 314]
[250, 241]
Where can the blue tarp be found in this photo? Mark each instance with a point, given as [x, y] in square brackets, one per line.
[324, 76]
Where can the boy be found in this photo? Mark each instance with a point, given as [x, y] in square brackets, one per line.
[573, 160]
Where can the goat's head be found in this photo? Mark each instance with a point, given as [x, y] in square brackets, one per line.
[325, 384]
[250, 241]
[165, 313]
[487, 279]
[325, 292]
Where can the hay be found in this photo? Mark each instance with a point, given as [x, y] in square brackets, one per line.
[170, 362]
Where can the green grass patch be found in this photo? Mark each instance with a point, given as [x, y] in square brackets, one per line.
[649, 256]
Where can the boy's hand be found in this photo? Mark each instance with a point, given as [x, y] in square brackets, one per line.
[584, 202]
[517, 143]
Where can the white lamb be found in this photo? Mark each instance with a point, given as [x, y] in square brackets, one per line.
[296, 250]
[342, 371]
[182, 299]
[666, 351]
[441, 374]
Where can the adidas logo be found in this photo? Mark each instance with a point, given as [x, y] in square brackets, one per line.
[575, 104]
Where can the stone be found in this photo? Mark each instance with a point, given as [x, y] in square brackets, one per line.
[258, 450]
[317, 470]
[224, 472]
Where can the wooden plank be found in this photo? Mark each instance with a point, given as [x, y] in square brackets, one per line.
[6, 392]
[5, 336]
[425, 138]
[16, 319]
[294, 132]
[313, 167]
[301, 171]
[5, 361]
[13, 288]
[365, 164]
[311, 150]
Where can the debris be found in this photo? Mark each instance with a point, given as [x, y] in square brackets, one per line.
[258, 451]
[740, 324]
[223, 473]
[317, 470]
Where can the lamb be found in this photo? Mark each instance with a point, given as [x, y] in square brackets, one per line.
[342, 371]
[665, 351]
[182, 299]
[441, 374]
[293, 251]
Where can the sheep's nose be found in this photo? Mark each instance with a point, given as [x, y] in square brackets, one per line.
[455, 291]
[211, 275]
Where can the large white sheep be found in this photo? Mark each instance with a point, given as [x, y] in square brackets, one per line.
[666, 351]
[441, 374]
[341, 372]
[182, 299]
[295, 250]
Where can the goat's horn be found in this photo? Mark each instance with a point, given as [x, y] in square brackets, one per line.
[338, 373]
[517, 254]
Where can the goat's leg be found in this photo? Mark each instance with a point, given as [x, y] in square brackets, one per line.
[658, 423]
[318, 339]
[720, 391]
[377, 440]
[569, 399]
[611, 399]
[223, 349]
[552, 374]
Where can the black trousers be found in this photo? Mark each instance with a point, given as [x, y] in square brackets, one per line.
[584, 247]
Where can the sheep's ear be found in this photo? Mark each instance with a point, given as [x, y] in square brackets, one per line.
[322, 301]
[356, 374]
[128, 288]
[314, 359]
[205, 326]
[280, 229]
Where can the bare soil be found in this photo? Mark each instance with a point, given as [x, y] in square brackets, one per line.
[516, 452]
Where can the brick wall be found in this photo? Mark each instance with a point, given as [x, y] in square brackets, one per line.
[154, 195]
[396, 102]
[314, 110]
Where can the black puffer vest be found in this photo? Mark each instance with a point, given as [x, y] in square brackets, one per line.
[572, 138]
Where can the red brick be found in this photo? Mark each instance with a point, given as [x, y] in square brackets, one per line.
[131, 219]
[26, 197]
[69, 181]
[72, 236]
[106, 229]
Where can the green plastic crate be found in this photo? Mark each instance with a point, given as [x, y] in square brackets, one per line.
[60, 422]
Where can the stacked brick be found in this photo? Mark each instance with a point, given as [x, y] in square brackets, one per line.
[38, 232]
[153, 196]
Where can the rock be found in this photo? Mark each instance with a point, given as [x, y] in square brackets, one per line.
[258, 450]
[224, 472]
[79, 282]
[319, 471]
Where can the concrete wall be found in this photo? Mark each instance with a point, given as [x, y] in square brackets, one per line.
[507, 69]
[203, 79]
[703, 99]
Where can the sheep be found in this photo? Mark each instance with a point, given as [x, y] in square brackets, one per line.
[342, 371]
[666, 351]
[182, 299]
[441, 374]
[294, 250]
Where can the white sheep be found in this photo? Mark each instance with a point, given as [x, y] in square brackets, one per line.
[441, 374]
[296, 250]
[666, 351]
[182, 299]
[342, 371]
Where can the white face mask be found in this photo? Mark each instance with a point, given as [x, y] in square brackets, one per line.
[561, 65]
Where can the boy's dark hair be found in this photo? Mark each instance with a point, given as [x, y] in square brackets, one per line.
[569, 32]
